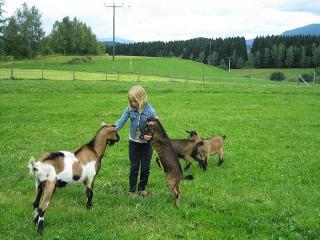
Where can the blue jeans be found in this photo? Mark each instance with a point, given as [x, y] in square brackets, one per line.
[140, 155]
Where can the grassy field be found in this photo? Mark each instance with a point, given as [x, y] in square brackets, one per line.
[290, 73]
[178, 68]
[268, 187]
[134, 68]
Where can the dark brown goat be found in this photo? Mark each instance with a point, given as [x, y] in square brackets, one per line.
[185, 149]
[207, 147]
[168, 157]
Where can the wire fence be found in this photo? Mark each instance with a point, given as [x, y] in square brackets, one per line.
[73, 75]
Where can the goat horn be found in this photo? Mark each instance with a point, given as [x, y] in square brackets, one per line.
[187, 131]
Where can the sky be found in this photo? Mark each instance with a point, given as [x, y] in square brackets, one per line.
[166, 20]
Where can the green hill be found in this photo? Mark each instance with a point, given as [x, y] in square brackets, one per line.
[156, 66]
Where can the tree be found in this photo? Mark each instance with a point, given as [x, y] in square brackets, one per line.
[250, 62]
[29, 21]
[257, 59]
[12, 39]
[74, 37]
[240, 63]
[289, 56]
[266, 57]
[303, 58]
[213, 58]
[202, 57]
[223, 64]
[316, 56]
[23, 34]
[2, 26]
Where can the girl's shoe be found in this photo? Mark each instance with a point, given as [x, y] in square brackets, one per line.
[133, 194]
[144, 193]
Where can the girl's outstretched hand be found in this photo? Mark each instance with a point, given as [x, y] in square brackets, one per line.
[147, 137]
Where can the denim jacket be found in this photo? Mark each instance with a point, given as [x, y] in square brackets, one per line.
[136, 118]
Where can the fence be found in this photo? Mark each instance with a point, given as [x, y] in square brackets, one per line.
[10, 72]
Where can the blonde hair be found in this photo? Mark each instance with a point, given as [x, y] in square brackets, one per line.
[138, 94]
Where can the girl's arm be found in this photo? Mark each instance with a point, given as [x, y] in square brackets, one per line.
[123, 119]
[153, 112]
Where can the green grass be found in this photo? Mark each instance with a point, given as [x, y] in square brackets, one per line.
[178, 68]
[264, 73]
[268, 187]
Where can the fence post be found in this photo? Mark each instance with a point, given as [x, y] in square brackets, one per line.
[130, 70]
[139, 73]
[74, 75]
[106, 76]
[12, 63]
[171, 73]
[42, 72]
[203, 75]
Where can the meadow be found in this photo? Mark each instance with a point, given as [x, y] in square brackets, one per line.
[268, 187]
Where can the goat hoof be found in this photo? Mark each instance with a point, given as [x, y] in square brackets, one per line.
[89, 205]
[40, 228]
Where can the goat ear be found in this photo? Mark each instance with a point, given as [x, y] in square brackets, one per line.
[188, 131]
[102, 123]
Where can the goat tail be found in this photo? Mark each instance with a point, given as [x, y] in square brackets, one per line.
[31, 167]
[188, 177]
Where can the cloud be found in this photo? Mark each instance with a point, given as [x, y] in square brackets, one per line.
[312, 6]
[166, 20]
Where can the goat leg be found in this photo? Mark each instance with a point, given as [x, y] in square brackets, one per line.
[159, 163]
[221, 159]
[36, 201]
[89, 193]
[188, 163]
[49, 189]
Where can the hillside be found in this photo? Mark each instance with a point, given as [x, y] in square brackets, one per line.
[312, 29]
[155, 66]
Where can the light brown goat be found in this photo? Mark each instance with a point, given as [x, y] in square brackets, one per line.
[207, 147]
[57, 169]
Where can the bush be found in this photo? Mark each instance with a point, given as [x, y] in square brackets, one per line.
[277, 76]
[79, 60]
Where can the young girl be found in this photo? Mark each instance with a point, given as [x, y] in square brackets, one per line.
[140, 151]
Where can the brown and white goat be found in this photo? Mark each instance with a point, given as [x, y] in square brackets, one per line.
[207, 147]
[168, 158]
[57, 169]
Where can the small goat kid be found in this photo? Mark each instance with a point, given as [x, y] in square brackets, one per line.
[207, 147]
[168, 158]
[57, 169]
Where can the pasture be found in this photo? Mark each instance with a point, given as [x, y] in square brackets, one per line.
[268, 187]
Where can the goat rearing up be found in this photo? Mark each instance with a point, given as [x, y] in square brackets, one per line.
[57, 169]
[167, 156]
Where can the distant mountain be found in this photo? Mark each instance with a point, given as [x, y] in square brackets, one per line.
[108, 41]
[249, 43]
[312, 29]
